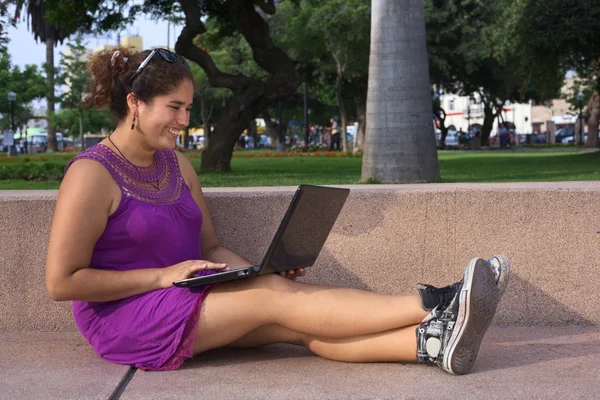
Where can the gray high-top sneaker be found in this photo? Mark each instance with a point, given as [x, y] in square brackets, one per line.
[451, 337]
[501, 267]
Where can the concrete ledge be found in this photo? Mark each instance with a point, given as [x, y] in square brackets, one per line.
[388, 238]
[54, 366]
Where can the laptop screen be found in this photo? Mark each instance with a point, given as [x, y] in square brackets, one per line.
[304, 228]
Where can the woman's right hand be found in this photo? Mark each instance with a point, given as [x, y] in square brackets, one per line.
[185, 270]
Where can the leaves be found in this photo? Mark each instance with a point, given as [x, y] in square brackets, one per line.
[28, 83]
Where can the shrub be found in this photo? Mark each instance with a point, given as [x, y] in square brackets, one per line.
[32, 172]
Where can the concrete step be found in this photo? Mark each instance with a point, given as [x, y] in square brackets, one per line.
[57, 365]
[515, 362]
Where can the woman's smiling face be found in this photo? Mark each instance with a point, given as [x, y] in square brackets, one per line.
[161, 120]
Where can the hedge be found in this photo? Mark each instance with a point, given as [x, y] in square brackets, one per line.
[33, 171]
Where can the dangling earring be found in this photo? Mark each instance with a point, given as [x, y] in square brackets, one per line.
[133, 123]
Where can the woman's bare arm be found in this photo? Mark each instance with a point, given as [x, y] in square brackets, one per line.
[211, 246]
[85, 199]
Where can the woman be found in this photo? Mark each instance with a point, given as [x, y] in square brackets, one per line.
[131, 219]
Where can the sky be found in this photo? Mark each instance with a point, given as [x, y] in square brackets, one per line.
[23, 48]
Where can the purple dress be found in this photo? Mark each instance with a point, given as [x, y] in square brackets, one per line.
[157, 224]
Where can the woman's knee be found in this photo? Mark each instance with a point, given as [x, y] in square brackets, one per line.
[275, 283]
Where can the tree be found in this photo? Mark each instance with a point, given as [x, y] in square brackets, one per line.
[75, 76]
[474, 47]
[94, 121]
[563, 34]
[342, 27]
[51, 34]
[28, 84]
[5, 20]
[251, 96]
[211, 100]
[328, 42]
[400, 143]
[52, 21]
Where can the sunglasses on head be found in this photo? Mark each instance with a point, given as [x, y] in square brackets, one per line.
[166, 55]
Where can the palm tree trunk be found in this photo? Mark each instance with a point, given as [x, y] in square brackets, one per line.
[400, 142]
[50, 93]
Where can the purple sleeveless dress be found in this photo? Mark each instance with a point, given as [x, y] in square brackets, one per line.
[151, 228]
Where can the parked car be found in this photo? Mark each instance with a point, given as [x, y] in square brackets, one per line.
[563, 133]
[571, 139]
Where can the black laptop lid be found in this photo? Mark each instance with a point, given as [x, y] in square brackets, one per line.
[304, 228]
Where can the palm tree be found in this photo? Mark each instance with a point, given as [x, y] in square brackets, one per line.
[400, 142]
[51, 34]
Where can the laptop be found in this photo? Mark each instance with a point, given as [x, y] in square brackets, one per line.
[298, 240]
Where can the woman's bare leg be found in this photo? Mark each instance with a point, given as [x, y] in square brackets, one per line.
[398, 345]
[234, 309]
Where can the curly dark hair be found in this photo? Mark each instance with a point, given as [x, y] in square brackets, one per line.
[111, 79]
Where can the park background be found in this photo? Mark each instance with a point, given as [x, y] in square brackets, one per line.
[465, 68]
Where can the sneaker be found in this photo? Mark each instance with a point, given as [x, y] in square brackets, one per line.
[432, 296]
[501, 267]
[451, 337]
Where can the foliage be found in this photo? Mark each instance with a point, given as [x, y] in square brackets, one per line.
[232, 53]
[84, 16]
[74, 73]
[32, 171]
[94, 121]
[475, 47]
[75, 76]
[27, 83]
[562, 33]
[6, 19]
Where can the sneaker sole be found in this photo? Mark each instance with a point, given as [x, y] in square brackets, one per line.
[478, 304]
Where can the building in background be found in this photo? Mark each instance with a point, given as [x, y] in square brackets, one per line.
[464, 112]
[558, 111]
[135, 42]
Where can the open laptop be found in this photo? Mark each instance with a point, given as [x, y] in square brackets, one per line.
[298, 240]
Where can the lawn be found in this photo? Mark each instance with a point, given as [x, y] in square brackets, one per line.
[455, 166]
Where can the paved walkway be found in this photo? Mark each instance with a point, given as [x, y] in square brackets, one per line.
[514, 363]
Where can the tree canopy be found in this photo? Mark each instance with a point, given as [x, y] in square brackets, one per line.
[27, 83]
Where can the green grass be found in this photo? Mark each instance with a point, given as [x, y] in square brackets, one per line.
[519, 166]
[455, 166]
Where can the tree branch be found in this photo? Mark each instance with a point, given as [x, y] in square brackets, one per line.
[268, 56]
[267, 6]
[185, 46]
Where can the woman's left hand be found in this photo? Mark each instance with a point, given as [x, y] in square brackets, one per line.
[293, 273]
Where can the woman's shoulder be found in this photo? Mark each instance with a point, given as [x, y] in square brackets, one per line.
[92, 165]
[96, 155]
[185, 166]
